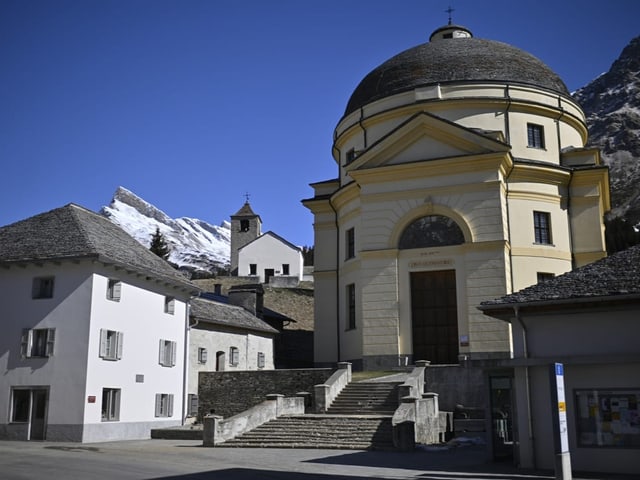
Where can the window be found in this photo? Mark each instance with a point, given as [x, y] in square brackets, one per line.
[351, 155]
[253, 269]
[192, 406]
[545, 277]
[202, 355]
[285, 269]
[261, 360]
[167, 354]
[37, 342]
[431, 231]
[110, 404]
[42, 287]
[20, 405]
[608, 418]
[169, 305]
[244, 225]
[111, 344]
[350, 247]
[114, 288]
[234, 356]
[351, 306]
[542, 227]
[535, 135]
[164, 405]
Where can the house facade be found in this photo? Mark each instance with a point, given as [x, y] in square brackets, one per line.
[587, 321]
[462, 175]
[94, 331]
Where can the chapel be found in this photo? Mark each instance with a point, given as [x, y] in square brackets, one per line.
[462, 176]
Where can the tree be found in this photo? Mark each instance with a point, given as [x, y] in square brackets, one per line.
[159, 245]
[307, 255]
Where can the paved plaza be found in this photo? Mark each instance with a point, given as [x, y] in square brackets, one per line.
[188, 460]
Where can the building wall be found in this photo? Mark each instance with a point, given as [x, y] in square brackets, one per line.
[268, 252]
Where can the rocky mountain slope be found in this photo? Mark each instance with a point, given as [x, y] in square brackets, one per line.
[611, 103]
[195, 245]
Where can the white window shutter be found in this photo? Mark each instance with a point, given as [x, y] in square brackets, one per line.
[174, 349]
[161, 353]
[103, 343]
[117, 288]
[170, 405]
[119, 342]
[51, 339]
[158, 404]
[25, 343]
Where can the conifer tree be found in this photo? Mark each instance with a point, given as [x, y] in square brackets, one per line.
[159, 245]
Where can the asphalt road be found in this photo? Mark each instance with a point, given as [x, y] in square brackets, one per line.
[188, 460]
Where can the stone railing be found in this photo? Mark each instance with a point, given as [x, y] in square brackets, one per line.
[413, 386]
[327, 392]
[217, 430]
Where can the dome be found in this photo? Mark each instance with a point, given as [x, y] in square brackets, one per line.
[454, 55]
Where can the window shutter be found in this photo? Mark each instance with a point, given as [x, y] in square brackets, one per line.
[51, 338]
[161, 353]
[170, 405]
[103, 343]
[119, 342]
[116, 291]
[173, 353]
[25, 343]
[158, 404]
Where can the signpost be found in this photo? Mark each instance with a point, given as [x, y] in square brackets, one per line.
[560, 429]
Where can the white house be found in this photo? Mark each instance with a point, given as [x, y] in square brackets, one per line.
[94, 331]
[586, 320]
[225, 337]
[269, 256]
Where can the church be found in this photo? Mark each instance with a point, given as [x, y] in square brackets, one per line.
[462, 176]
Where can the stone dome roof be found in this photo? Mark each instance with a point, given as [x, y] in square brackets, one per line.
[454, 55]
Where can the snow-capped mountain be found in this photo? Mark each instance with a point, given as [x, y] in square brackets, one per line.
[195, 245]
[611, 103]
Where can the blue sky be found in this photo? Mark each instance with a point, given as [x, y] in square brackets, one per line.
[191, 104]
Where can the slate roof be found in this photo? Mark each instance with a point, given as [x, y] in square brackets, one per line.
[73, 233]
[277, 237]
[613, 277]
[226, 315]
[245, 211]
[266, 312]
[454, 60]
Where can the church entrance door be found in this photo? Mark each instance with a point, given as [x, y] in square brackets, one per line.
[434, 316]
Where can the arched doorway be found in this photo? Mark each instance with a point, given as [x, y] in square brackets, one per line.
[434, 305]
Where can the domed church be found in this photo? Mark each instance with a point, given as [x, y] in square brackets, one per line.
[462, 177]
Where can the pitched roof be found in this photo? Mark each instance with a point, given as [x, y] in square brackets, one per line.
[266, 312]
[245, 211]
[218, 313]
[72, 233]
[277, 237]
[613, 277]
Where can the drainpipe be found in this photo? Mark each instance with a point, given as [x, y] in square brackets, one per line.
[185, 360]
[364, 130]
[506, 181]
[335, 216]
[527, 380]
[570, 228]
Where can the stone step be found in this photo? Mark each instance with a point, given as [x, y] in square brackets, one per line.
[366, 398]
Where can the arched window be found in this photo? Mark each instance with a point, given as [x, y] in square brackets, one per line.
[431, 231]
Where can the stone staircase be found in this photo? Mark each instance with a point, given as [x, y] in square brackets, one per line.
[358, 419]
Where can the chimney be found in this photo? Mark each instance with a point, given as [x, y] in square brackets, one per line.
[250, 297]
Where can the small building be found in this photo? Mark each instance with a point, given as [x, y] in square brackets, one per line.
[587, 320]
[265, 258]
[94, 331]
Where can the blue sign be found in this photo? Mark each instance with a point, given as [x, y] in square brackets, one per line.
[559, 369]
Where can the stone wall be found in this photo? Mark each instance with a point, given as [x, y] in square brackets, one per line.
[457, 385]
[229, 393]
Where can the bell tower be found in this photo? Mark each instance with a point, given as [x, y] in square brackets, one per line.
[246, 226]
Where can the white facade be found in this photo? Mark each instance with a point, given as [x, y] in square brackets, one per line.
[63, 393]
[270, 256]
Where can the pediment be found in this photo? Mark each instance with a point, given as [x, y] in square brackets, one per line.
[426, 137]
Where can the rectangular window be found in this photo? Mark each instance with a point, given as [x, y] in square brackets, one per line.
[192, 407]
[202, 355]
[535, 135]
[20, 405]
[234, 356]
[351, 306]
[261, 360]
[285, 269]
[169, 305]
[164, 405]
[114, 288]
[42, 287]
[350, 155]
[111, 344]
[110, 404]
[608, 418]
[545, 277]
[350, 245]
[542, 227]
[253, 269]
[167, 354]
[37, 342]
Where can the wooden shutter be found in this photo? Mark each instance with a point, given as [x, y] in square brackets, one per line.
[117, 288]
[25, 343]
[119, 342]
[161, 356]
[103, 343]
[158, 404]
[51, 338]
[170, 405]
[173, 353]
